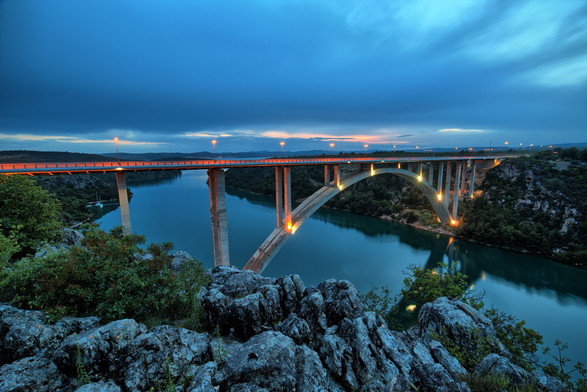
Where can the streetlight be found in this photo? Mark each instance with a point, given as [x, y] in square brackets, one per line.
[331, 148]
[366, 146]
[214, 145]
[117, 156]
[282, 144]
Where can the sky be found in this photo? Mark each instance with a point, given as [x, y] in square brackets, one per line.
[173, 75]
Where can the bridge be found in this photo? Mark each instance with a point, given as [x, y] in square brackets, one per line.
[443, 180]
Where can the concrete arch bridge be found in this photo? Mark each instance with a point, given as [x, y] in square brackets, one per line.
[455, 179]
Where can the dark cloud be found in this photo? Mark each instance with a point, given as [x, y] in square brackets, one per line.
[93, 66]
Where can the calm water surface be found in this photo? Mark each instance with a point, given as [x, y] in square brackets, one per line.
[369, 252]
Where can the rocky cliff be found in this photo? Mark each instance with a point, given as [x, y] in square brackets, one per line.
[533, 205]
[265, 334]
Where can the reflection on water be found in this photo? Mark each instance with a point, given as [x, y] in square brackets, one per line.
[476, 261]
[367, 251]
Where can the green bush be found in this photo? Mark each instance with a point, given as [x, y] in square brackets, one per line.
[110, 276]
[28, 214]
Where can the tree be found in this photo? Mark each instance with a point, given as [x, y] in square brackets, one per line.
[28, 213]
[110, 276]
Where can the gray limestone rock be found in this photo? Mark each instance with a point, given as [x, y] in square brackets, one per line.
[148, 358]
[395, 349]
[266, 360]
[243, 315]
[450, 363]
[214, 303]
[459, 322]
[296, 328]
[202, 380]
[341, 300]
[243, 283]
[25, 333]
[311, 309]
[180, 257]
[31, 374]
[494, 363]
[71, 237]
[292, 290]
[549, 383]
[97, 348]
[100, 386]
[272, 361]
[270, 303]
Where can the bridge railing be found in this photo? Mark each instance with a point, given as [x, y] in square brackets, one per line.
[64, 167]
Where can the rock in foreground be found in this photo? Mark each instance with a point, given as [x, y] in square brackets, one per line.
[275, 335]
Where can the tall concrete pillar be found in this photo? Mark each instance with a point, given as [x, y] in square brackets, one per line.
[218, 216]
[463, 179]
[455, 199]
[326, 175]
[372, 168]
[287, 196]
[123, 201]
[430, 173]
[447, 183]
[278, 197]
[472, 180]
[440, 173]
[420, 168]
[411, 167]
[336, 175]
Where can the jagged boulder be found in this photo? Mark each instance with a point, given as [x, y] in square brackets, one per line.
[100, 386]
[150, 357]
[97, 349]
[31, 374]
[296, 328]
[71, 237]
[274, 362]
[26, 333]
[341, 300]
[460, 323]
[275, 335]
[496, 364]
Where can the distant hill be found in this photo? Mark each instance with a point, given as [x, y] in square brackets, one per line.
[24, 156]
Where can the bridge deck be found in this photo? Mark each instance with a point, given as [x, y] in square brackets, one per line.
[33, 169]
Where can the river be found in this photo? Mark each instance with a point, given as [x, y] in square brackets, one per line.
[369, 252]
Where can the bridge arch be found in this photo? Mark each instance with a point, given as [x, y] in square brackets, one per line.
[280, 235]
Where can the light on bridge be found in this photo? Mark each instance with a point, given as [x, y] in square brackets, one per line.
[419, 178]
[454, 222]
[411, 308]
[439, 197]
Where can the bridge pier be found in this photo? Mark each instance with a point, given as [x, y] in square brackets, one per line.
[430, 173]
[217, 189]
[287, 196]
[455, 199]
[440, 173]
[326, 175]
[447, 183]
[336, 169]
[472, 180]
[278, 197]
[123, 201]
[463, 180]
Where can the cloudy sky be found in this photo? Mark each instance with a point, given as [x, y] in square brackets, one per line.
[173, 75]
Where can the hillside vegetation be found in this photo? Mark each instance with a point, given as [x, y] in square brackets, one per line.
[75, 191]
[534, 204]
[531, 204]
